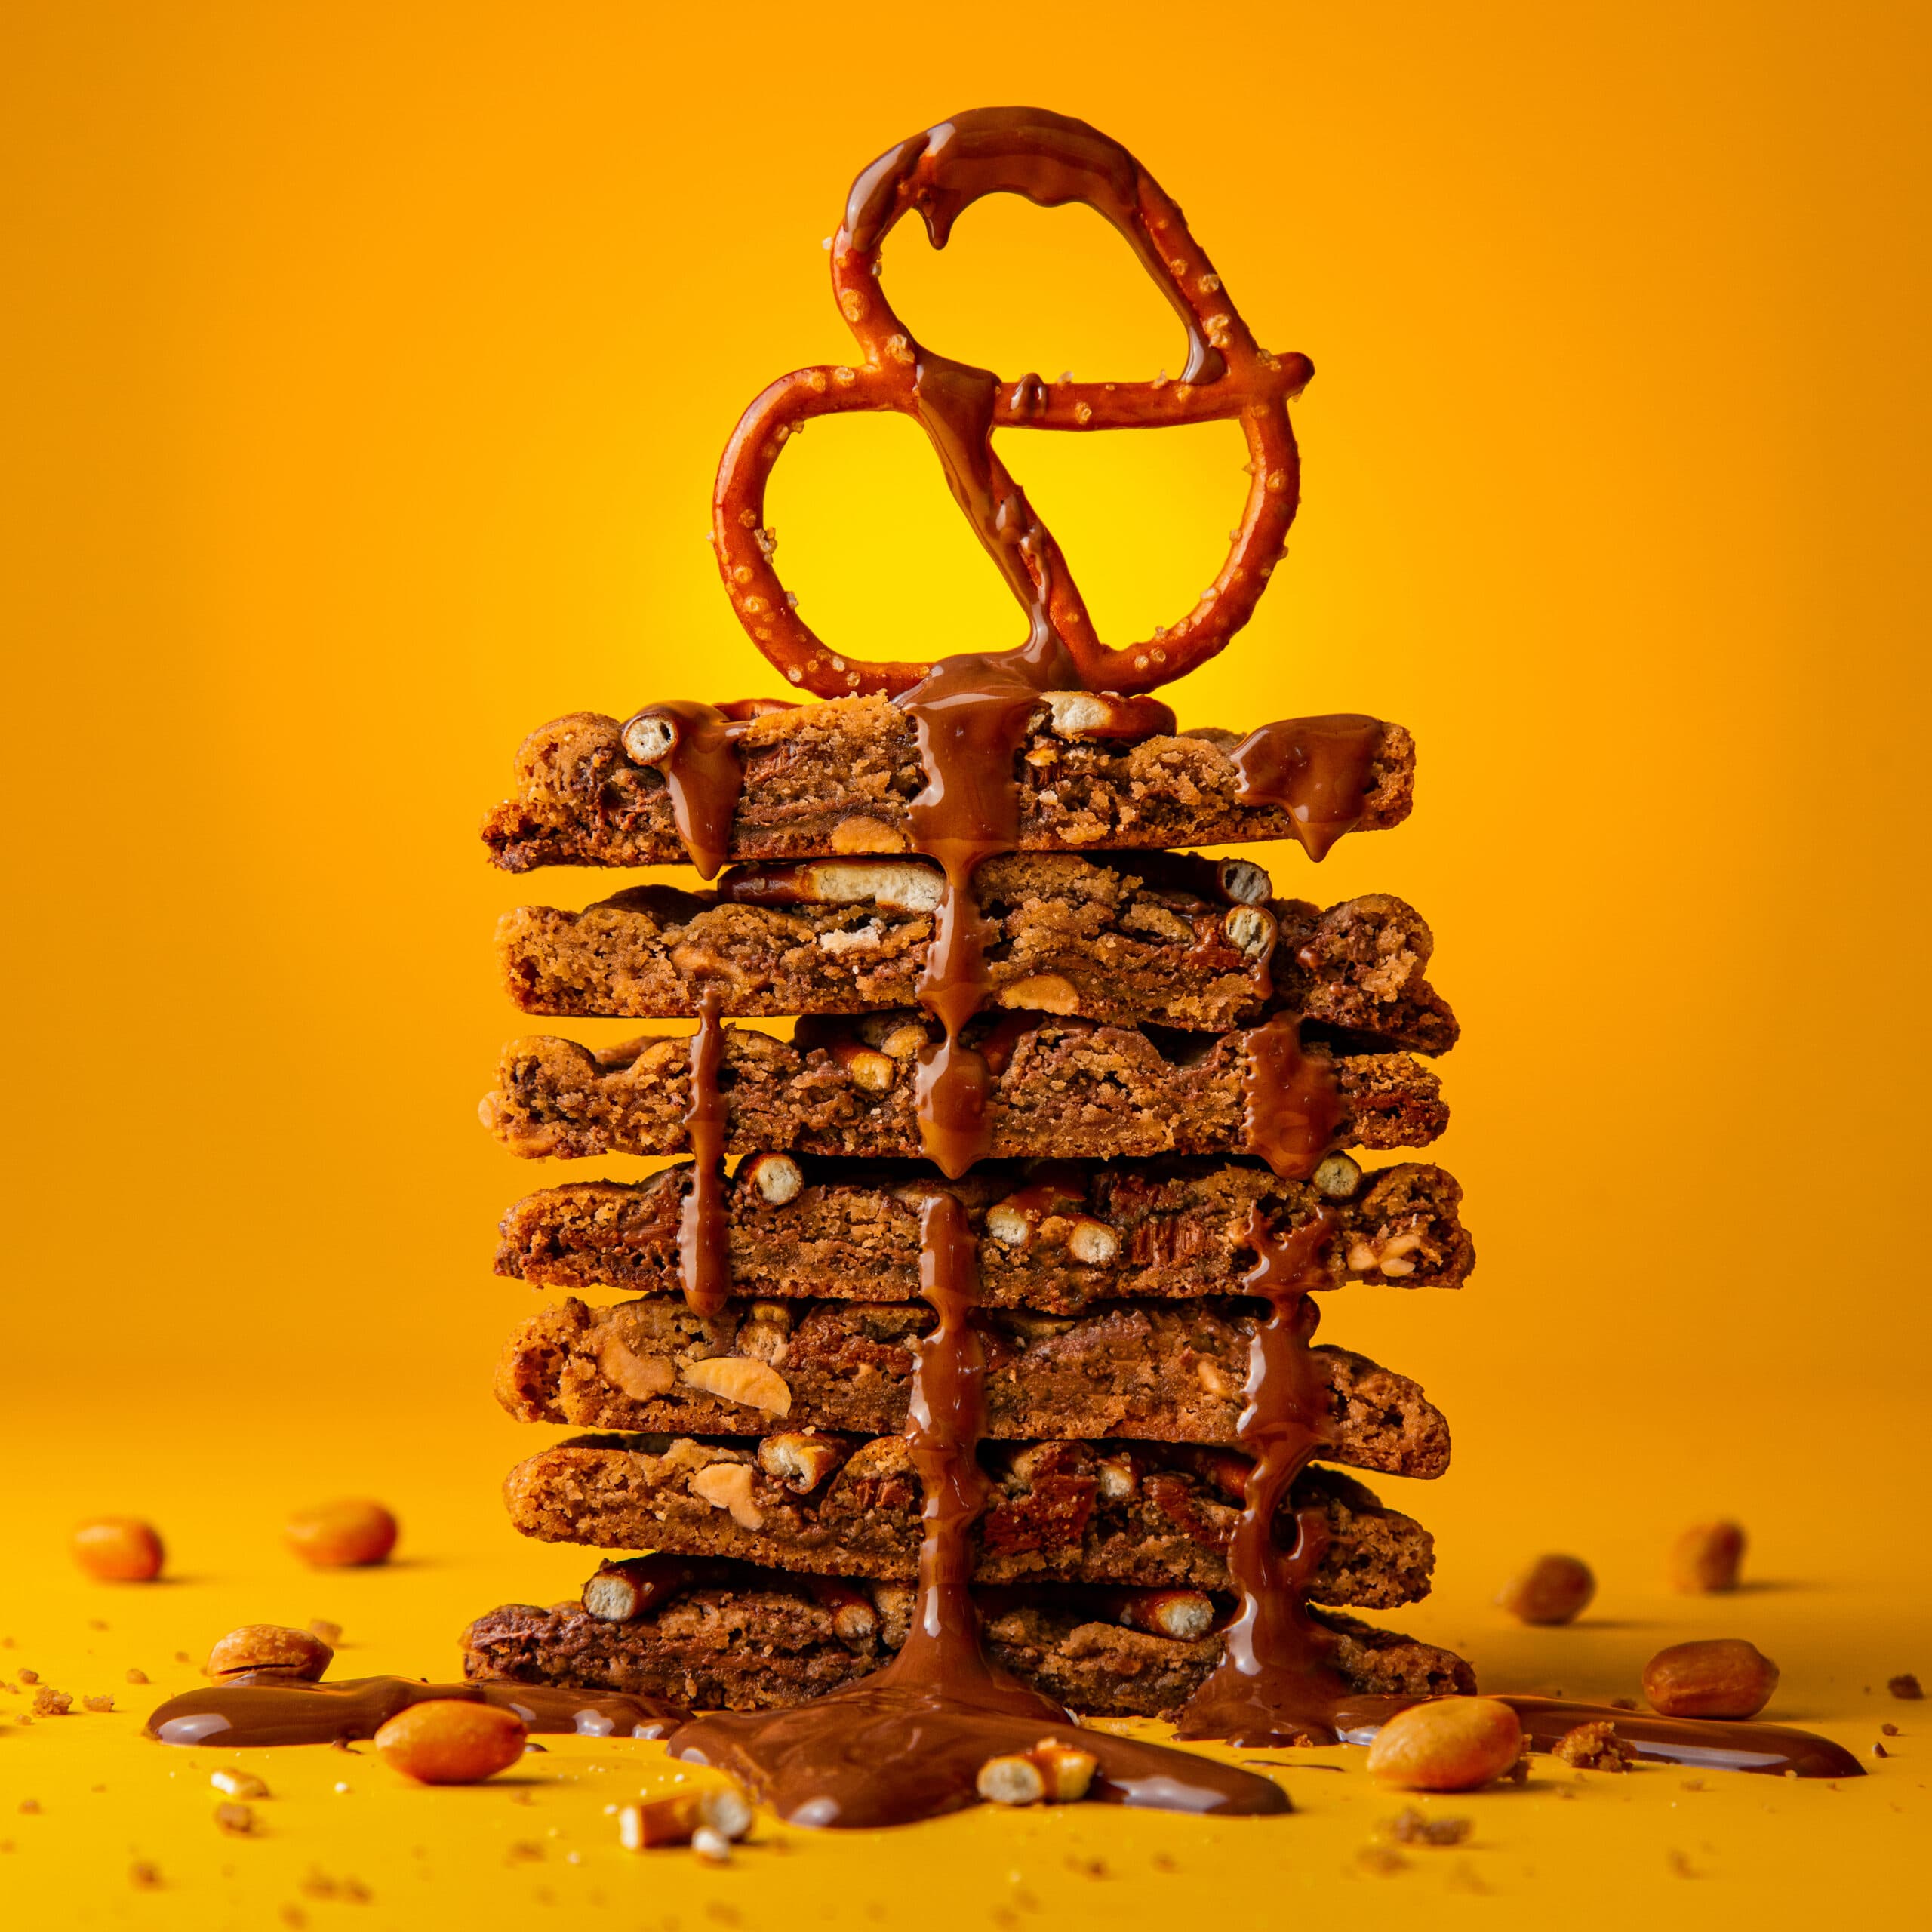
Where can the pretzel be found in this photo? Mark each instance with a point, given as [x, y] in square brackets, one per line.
[1051, 161]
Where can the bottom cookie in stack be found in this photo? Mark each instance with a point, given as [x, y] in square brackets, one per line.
[716, 1634]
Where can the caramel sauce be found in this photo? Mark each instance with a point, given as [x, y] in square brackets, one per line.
[1320, 771]
[907, 1742]
[704, 1266]
[703, 774]
[1275, 1681]
[258, 1710]
[1291, 1109]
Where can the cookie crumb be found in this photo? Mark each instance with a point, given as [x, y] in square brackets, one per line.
[1594, 1747]
[237, 1821]
[137, 1676]
[1679, 1866]
[330, 1633]
[97, 1703]
[1903, 1685]
[1888, 1730]
[1879, 1750]
[143, 1877]
[33, 1677]
[1414, 1827]
[49, 1702]
[1379, 1862]
[28, 1806]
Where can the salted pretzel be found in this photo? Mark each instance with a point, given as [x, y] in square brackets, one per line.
[1051, 161]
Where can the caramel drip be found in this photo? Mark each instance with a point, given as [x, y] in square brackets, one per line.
[1292, 1111]
[1276, 1681]
[971, 714]
[704, 1261]
[1321, 770]
[907, 1742]
[702, 773]
[257, 1711]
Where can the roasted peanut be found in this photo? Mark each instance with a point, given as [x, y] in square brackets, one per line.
[643, 1378]
[1041, 992]
[273, 1648]
[1707, 1557]
[727, 1486]
[345, 1535]
[445, 1741]
[1447, 1744]
[1553, 1590]
[1718, 1677]
[866, 835]
[119, 1549]
[238, 1784]
[739, 1379]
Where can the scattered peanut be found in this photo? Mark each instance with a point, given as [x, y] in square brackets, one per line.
[119, 1549]
[239, 1784]
[1553, 1590]
[446, 1741]
[336, 1535]
[330, 1633]
[1707, 1557]
[1447, 1744]
[1720, 1677]
[236, 1820]
[294, 1654]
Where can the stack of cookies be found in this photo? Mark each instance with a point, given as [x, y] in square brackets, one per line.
[744, 1416]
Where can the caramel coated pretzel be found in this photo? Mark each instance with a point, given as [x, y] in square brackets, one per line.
[1051, 161]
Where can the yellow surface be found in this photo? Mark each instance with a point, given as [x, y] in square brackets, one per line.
[368, 368]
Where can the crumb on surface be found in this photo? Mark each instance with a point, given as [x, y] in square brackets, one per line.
[1903, 1685]
[1414, 1827]
[1594, 1747]
[49, 1702]
[143, 1876]
[136, 1676]
[330, 1633]
[1379, 1862]
[101, 1703]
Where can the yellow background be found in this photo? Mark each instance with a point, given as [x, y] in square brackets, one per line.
[368, 366]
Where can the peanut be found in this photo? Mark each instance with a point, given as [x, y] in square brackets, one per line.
[272, 1647]
[447, 1741]
[118, 1549]
[1041, 992]
[337, 1536]
[1707, 1557]
[1719, 1677]
[1553, 1590]
[1447, 1744]
[738, 1378]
